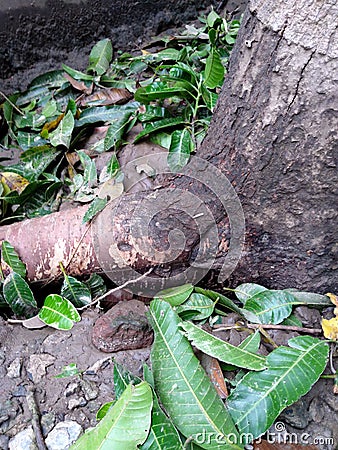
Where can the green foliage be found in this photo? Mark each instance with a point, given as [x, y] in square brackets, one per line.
[58, 312]
[175, 90]
[18, 295]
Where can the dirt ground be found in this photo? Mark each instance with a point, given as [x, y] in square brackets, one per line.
[30, 359]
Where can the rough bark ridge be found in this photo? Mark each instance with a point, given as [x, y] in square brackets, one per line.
[274, 136]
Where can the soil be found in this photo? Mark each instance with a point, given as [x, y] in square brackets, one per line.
[30, 359]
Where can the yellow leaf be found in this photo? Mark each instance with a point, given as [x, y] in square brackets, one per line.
[13, 182]
[334, 300]
[330, 328]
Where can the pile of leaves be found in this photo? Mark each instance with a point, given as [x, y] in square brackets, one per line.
[178, 405]
[50, 128]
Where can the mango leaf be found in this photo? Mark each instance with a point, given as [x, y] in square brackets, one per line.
[98, 114]
[68, 371]
[214, 70]
[116, 131]
[151, 112]
[309, 298]
[58, 312]
[77, 74]
[27, 140]
[75, 291]
[176, 295]
[100, 57]
[90, 173]
[182, 385]
[96, 285]
[95, 207]
[247, 290]
[18, 295]
[271, 306]
[151, 127]
[221, 350]
[104, 409]
[37, 159]
[63, 133]
[113, 166]
[160, 90]
[126, 424]
[10, 256]
[292, 320]
[179, 151]
[250, 344]
[198, 307]
[259, 398]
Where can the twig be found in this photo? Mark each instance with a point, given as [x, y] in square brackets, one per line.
[33, 407]
[111, 291]
[11, 103]
[269, 327]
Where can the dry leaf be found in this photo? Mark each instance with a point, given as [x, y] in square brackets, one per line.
[330, 328]
[79, 85]
[105, 97]
[214, 371]
[13, 182]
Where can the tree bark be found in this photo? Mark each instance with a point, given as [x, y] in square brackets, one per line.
[273, 137]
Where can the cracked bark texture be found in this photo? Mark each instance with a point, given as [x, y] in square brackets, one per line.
[274, 134]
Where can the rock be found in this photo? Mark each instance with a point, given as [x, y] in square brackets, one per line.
[47, 422]
[71, 389]
[309, 317]
[296, 415]
[76, 402]
[98, 365]
[37, 365]
[25, 440]
[123, 327]
[89, 389]
[4, 442]
[14, 369]
[63, 435]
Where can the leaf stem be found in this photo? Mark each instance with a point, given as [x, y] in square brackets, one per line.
[220, 327]
[11, 103]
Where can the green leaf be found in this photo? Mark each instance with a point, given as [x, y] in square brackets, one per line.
[90, 173]
[250, 344]
[58, 312]
[77, 74]
[180, 148]
[198, 307]
[98, 114]
[221, 350]
[271, 306]
[104, 409]
[160, 90]
[292, 320]
[183, 387]
[68, 371]
[152, 113]
[113, 166]
[96, 285]
[259, 398]
[10, 256]
[18, 295]
[97, 205]
[213, 18]
[63, 133]
[37, 159]
[214, 70]
[126, 424]
[247, 290]
[100, 57]
[159, 125]
[176, 295]
[116, 131]
[309, 298]
[75, 291]
[27, 140]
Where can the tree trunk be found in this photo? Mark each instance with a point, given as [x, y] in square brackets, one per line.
[272, 137]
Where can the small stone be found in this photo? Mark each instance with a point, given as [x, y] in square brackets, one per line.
[37, 365]
[71, 389]
[47, 422]
[63, 435]
[89, 389]
[296, 415]
[123, 327]
[316, 410]
[25, 440]
[98, 365]
[14, 369]
[76, 402]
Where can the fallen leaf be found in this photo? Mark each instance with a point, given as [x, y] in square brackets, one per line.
[330, 328]
[105, 97]
[13, 182]
[214, 371]
[79, 85]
